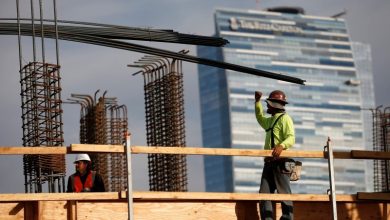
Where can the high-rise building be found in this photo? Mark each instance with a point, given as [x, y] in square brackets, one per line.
[363, 65]
[287, 41]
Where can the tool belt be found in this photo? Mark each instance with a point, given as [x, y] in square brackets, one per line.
[287, 166]
[293, 168]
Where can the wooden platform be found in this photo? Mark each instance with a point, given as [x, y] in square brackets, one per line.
[191, 205]
[188, 206]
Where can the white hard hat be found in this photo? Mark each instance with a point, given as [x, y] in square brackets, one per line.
[82, 157]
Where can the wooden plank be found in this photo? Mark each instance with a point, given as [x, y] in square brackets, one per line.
[12, 211]
[58, 196]
[30, 210]
[345, 210]
[190, 151]
[223, 152]
[187, 209]
[72, 210]
[386, 211]
[163, 211]
[243, 210]
[170, 196]
[202, 151]
[39, 211]
[102, 210]
[341, 155]
[33, 150]
[204, 196]
[86, 148]
[363, 154]
[190, 211]
[53, 210]
[373, 196]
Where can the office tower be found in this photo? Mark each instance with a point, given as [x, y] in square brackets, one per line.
[363, 65]
[287, 41]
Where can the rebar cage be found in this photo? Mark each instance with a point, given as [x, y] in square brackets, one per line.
[381, 139]
[42, 125]
[165, 124]
[102, 121]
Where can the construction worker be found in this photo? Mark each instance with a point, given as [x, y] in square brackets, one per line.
[85, 180]
[280, 136]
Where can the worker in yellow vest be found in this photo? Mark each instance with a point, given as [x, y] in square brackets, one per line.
[280, 136]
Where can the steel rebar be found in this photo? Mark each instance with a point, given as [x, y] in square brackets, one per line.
[109, 42]
[102, 121]
[165, 124]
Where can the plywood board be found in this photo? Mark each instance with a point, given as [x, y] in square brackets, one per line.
[102, 210]
[11, 211]
[345, 210]
[53, 210]
[373, 196]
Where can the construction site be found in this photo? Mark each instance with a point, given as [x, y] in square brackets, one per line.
[105, 135]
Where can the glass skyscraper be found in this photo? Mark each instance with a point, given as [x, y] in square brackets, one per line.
[363, 64]
[317, 49]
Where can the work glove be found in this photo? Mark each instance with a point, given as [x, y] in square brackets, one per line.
[258, 95]
[277, 151]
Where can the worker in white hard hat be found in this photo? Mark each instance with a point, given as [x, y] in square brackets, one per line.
[85, 180]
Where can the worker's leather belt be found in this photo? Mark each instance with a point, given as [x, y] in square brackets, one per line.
[273, 159]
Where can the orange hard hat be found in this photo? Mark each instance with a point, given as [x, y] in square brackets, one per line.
[277, 99]
[278, 96]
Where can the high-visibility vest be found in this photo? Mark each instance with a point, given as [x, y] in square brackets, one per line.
[78, 186]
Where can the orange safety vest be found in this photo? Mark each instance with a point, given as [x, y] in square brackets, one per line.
[78, 185]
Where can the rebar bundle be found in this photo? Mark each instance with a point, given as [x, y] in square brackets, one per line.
[381, 139]
[113, 32]
[112, 36]
[164, 107]
[102, 121]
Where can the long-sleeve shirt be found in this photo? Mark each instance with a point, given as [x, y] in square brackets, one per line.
[284, 133]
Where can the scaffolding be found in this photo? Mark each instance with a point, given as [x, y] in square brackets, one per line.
[102, 121]
[381, 142]
[165, 125]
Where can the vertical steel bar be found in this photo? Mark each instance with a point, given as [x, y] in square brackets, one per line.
[21, 78]
[49, 184]
[33, 31]
[63, 184]
[129, 177]
[56, 30]
[59, 184]
[385, 146]
[19, 35]
[45, 78]
[329, 149]
[42, 31]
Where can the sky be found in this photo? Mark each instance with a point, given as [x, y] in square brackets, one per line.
[87, 68]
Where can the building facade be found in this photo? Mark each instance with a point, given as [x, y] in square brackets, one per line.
[363, 64]
[317, 49]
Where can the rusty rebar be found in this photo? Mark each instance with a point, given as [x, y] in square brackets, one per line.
[164, 110]
[381, 142]
[102, 121]
[42, 124]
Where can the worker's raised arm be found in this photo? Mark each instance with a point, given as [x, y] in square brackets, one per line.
[259, 112]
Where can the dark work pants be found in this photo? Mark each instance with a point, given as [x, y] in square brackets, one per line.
[273, 179]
